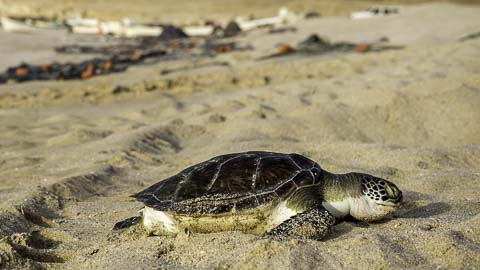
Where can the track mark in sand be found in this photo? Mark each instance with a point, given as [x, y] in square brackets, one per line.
[81, 135]
[236, 105]
[149, 145]
[39, 240]
[88, 185]
[390, 172]
[42, 235]
[92, 134]
[16, 145]
[166, 139]
[217, 118]
[40, 207]
[164, 249]
[35, 246]
[456, 158]
[265, 111]
[19, 162]
[459, 238]
[426, 211]
[397, 253]
[157, 141]
[307, 258]
[10, 258]
[305, 100]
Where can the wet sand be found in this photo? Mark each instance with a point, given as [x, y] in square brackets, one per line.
[72, 152]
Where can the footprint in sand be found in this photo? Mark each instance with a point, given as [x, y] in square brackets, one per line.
[35, 246]
[80, 135]
[217, 118]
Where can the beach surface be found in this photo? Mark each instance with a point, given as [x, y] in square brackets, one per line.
[72, 152]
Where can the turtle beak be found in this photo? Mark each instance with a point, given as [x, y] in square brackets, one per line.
[399, 199]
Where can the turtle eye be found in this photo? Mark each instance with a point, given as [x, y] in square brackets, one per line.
[316, 172]
[393, 192]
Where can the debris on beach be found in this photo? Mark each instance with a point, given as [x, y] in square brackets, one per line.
[199, 30]
[280, 30]
[105, 50]
[182, 46]
[170, 32]
[82, 70]
[118, 57]
[284, 16]
[312, 15]
[469, 37]
[285, 49]
[125, 28]
[27, 24]
[80, 21]
[195, 66]
[135, 43]
[315, 45]
[373, 12]
[130, 28]
[232, 29]
[130, 47]
[55, 71]
[212, 48]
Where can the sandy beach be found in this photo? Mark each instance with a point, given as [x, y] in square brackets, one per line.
[72, 152]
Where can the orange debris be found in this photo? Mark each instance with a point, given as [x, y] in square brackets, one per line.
[21, 71]
[88, 73]
[361, 48]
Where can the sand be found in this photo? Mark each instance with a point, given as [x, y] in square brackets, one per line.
[72, 152]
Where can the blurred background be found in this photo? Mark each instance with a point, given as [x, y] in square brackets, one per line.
[184, 11]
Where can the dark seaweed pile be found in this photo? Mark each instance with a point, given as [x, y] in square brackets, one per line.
[82, 70]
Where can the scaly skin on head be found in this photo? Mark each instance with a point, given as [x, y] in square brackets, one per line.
[338, 187]
[362, 196]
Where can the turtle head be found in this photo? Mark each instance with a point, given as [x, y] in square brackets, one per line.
[379, 197]
[364, 197]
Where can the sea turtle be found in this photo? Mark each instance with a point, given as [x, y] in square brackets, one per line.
[278, 195]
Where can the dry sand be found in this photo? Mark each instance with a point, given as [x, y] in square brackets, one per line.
[72, 152]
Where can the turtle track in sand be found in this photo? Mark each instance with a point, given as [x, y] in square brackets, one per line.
[34, 234]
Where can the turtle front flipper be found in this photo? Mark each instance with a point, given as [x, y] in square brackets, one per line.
[312, 224]
[127, 223]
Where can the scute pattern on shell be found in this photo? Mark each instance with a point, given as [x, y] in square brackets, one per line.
[232, 182]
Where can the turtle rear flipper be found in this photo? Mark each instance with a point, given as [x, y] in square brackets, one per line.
[126, 223]
[312, 224]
